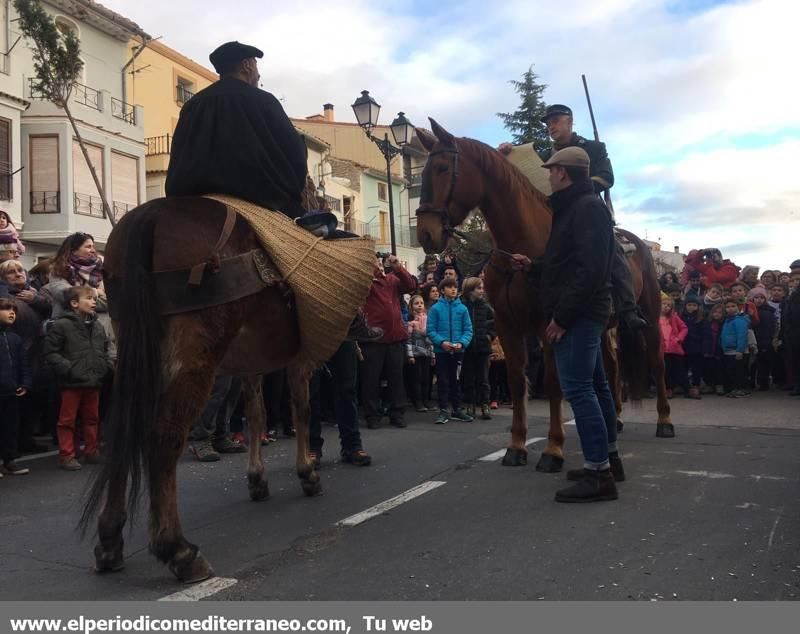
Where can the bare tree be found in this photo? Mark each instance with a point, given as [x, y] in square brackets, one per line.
[57, 64]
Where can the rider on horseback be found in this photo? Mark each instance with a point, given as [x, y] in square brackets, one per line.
[558, 119]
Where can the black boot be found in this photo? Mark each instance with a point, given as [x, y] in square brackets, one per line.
[594, 486]
[615, 462]
[360, 330]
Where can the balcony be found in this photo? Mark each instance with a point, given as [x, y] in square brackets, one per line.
[120, 209]
[405, 236]
[87, 205]
[123, 111]
[46, 202]
[156, 145]
[183, 94]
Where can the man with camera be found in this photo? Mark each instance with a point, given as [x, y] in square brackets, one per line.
[711, 268]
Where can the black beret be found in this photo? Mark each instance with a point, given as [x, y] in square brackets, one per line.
[555, 109]
[231, 53]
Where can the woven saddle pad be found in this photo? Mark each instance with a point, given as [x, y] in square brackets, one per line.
[330, 278]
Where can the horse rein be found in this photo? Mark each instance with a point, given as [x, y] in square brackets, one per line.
[443, 211]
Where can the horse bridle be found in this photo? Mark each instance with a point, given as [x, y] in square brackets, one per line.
[443, 212]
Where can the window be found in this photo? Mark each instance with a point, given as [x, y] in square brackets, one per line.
[6, 190]
[383, 192]
[184, 90]
[124, 183]
[87, 201]
[44, 175]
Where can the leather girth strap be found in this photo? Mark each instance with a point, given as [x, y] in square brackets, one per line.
[198, 270]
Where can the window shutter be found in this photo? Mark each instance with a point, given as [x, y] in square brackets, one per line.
[44, 174]
[124, 182]
[87, 198]
[5, 160]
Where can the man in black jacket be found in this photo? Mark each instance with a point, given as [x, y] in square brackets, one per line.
[575, 291]
[234, 138]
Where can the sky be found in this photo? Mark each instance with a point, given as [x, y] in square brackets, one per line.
[698, 101]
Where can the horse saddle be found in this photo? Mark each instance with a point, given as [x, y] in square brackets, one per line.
[628, 247]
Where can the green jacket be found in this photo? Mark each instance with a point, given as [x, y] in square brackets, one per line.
[600, 169]
[77, 351]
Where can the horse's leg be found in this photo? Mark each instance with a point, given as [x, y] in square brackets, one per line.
[255, 415]
[664, 427]
[516, 357]
[611, 365]
[552, 459]
[108, 552]
[299, 376]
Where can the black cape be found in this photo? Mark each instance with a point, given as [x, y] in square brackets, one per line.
[233, 138]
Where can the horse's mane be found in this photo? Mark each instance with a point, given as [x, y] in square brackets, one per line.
[491, 161]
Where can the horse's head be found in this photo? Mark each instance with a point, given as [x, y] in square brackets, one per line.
[451, 188]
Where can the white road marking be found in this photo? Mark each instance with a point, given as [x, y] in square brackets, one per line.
[766, 477]
[378, 509]
[201, 590]
[712, 475]
[774, 528]
[496, 455]
[36, 456]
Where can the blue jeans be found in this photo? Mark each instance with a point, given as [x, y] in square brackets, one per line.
[579, 359]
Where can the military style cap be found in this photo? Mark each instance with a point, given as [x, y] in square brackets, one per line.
[231, 53]
[555, 109]
[794, 265]
[569, 157]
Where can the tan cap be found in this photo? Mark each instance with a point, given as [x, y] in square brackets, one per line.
[569, 157]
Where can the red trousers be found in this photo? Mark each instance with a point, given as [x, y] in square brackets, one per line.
[86, 402]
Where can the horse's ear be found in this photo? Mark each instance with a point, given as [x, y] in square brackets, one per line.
[443, 135]
[426, 138]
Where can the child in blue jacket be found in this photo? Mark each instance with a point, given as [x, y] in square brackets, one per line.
[450, 331]
[733, 341]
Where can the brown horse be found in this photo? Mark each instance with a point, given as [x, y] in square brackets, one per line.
[166, 367]
[462, 174]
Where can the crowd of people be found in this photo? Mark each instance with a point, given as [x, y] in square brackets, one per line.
[727, 330]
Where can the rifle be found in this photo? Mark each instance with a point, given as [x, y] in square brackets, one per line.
[606, 193]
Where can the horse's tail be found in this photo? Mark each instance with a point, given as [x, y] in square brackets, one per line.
[134, 406]
[636, 348]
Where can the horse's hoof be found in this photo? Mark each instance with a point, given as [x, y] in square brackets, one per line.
[108, 561]
[620, 426]
[312, 488]
[665, 430]
[194, 571]
[515, 458]
[258, 487]
[550, 464]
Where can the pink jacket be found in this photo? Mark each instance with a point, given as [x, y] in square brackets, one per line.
[673, 333]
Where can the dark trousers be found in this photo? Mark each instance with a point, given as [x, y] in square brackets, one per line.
[9, 427]
[695, 364]
[343, 368]
[475, 377]
[735, 373]
[712, 371]
[676, 371]
[793, 364]
[213, 423]
[447, 386]
[761, 369]
[779, 374]
[383, 360]
[498, 382]
[420, 381]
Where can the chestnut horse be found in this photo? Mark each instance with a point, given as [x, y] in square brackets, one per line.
[462, 174]
[166, 367]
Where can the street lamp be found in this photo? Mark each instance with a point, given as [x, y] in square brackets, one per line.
[367, 110]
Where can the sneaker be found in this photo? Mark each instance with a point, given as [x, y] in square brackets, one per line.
[13, 469]
[421, 409]
[290, 432]
[93, 458]
[238, 437]
[493, 405]
[720, 390]
[442, 418]
[226, 445]
[359, 458]
[204, 451]
[594, 486]
[70, 464]
[707, 389]
[743, 393]
[461, 415]
[734, 394]
[694, 393]
[485, 413]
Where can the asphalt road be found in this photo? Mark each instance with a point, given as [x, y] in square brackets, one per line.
[712, 514]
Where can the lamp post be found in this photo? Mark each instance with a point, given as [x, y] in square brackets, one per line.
[366, 110]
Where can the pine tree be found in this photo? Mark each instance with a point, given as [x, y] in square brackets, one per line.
[525, 124]
[57, 64]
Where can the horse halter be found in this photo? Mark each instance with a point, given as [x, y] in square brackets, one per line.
[442, 211]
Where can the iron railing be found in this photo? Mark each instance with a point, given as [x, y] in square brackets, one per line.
[124, 111]
[183, 94]
[334, 204]
[158, 145]
[120, 209]
[88, 97]
[46, 202]
[88, 205]
[405, 236]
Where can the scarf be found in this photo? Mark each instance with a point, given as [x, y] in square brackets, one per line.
[89, 270]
